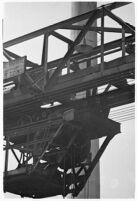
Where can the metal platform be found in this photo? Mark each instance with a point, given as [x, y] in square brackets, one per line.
[65, 153]
[36, 185]
[53, 144]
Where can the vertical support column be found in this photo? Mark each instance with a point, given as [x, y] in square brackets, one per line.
[68, 63]
[45, 59]
[93, 183]
[102, 41]
[123, 42]
[23, 158]
[6, 156]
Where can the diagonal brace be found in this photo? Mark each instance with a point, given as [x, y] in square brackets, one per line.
[15, 156]
[47, 147]
[92, 18]
[119, 21]
[93, 164]
[61, 37]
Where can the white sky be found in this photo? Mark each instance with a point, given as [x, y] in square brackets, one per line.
[117, 163]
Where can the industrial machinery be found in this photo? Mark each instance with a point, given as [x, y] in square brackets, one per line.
[52, 145]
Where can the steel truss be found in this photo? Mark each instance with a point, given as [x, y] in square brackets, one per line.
[35, 133]
[65, 154]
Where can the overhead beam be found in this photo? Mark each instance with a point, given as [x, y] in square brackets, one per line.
[60, 25]
[97, 29]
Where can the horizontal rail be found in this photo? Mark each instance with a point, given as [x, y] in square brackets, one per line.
[96, 50]
[74, 82]
[26, 144]
[12, 132]
[114, 98]
[96, 29]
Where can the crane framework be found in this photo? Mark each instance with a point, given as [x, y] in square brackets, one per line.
[52, 145]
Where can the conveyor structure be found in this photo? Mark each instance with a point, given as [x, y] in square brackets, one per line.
[52, 145]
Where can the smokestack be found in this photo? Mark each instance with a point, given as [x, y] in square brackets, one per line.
[92, 188]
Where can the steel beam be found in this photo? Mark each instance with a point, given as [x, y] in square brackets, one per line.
[114, 98]
[107, 46]
[119, 21]
[93, 164]
[60, 25]
[74, 82]
[97, 29]
[15, 155]
[92, 18]
[102, 41]
[23, 146]
[6, 157]
[123, 43]
[96, 51]
[48, 145]
[92, 77]
[19, 131]
[45, 60]
[61, 37]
